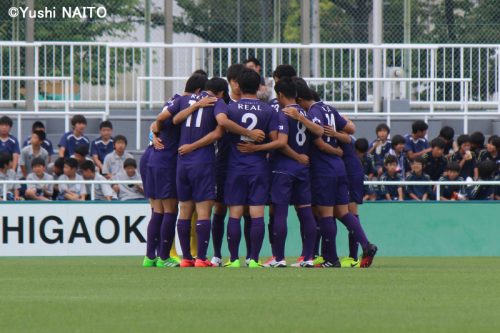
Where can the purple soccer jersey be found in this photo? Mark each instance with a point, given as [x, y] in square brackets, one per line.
[70, 142]
[355, 173]
[274, 104]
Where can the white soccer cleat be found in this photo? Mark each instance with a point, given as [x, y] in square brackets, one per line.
[216, 262]
[271, 261]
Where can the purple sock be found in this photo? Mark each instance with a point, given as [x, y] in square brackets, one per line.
[246, 231]
[167, 235]
[279, 231]
[308, 225]
[353, 245]
[329, 232]
[270, 232]
[352, 224]
[233, 237]
[257, 232]
[203, 237]
[217, 234]
[301, 227]
[317, 240]
[184, 232]
[153, 237]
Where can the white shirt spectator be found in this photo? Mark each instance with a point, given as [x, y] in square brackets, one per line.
[27, 156]
[78, 188]
[113, 164]
[128, 191]
[48, 188]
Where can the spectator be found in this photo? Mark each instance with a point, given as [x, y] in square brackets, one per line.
[450, 192]
[361, 146]
[497, 188]
[435, 162]
[32, 151]
[391, 192]
[81, 155]
[477, 142]
[72, 139]
[486, 170]
[264, 92]
[113, 162]
[42, 192]
[380, 147]
[465, 157]
[129, 191]
[447, 134]
[7, 173]
[416, 143]
[101, 191]
[398, 146]
[75, 192]
[46, 144]
[56, 172]
[418, 192]
[491, 151]
[8, 142]
[370, 191]
[103, 145]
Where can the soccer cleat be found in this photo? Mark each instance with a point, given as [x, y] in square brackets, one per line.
[247, 261]
[299, 262]
[216, 262]
[233, 264]
[202, 263]
[169, 262]
[269, 262]
[368, 255]
[187, 263]
[177, 259]
[318, 260]
[146, 262]
[254, 264]
[349, 262]
[278, 264]
[328, 264]
[307, 264]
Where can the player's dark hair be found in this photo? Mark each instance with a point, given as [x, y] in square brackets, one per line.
[88, 165]
[495, 141]
[419, 126]
[287, 87]
[382, 127]
[120, 137]
[477, 139]
[40, 134]
[59, 163]
[37, 125]
[315, 95]
[195, 82]
[453, 166]
[361, 145]
[234, 71]
[249, 81]
[389, 159]
[447, 133]
[129, 162]
[105, 124]
[438, 143]
[253, 60]
[200, 71]
[486, 169]
[397, 140]
[6, 120]
[464, 138]
[71, 162]
[419, 159]
[82, 150]
[284, 70]
[216, 85]
[303, 91]
[37, 161]
[5, 159]
[78, 119]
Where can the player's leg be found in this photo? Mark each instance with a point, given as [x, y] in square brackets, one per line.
[167, 234]
[218, 231]
[203, 226]
[186, 209]
[234, 235]
[247, 226]
[328, 228]
[194, 238]
[153, 234]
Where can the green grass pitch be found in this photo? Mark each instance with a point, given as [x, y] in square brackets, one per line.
[116, 294]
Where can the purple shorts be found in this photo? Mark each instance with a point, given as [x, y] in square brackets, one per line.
[356, 188]
[329, 191]
[161, 183]
[143, 170]
[287, 189]
[250, 190]
[196, 182]
[220, 181]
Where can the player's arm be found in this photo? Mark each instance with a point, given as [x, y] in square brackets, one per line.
[231, 126]
[280, 142]
[301, 158]
[208, 139]
[314, 128]
[326, 148]
[341, 136]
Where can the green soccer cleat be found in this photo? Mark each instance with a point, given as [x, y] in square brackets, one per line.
[169, 262]
[349, 262]
[176, 259]
[233, 264]
[254, 264]
[318, 260]
[146, 262]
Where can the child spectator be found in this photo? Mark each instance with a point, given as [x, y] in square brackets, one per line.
[72, 139]
[477, 142]
[39, 191]
[418, 192]
[113, 162]
[370, 191]
[32, 151]
[491, 151]
[101, 191]
[435, 162]
[398, 146]
[465, 157]
[75, 192]
[6, 173]
[46, 144]
[447, 134]
[361, 146]
[81, 155]
[450, 192]
[380, 147]
[390, 192]
[416, 143]
[486, 170]
[56, 172]
[129, 191]
[9, 143]
[103, 145]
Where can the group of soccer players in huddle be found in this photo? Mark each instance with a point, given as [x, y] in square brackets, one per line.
[219, 149]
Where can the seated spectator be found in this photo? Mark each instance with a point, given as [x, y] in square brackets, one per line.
[7, 173]
[380, 147]
[32, 151]
[361, 147]
[101, 191]
[8, 142]
[486, 170]
[435, 162]
[398, 146]
[477, 142]
[129, 191]
[491, 151]
[370, 191]
[46, 144]
[72, 139]
[418, 192]
[447, 134]
[81, 155]
[450, 192]
[497, 188]
[416, 143]
[113, 162]
[103, 145]
[465, 157]
[75, 192]
[390, 192]
[39, 191]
